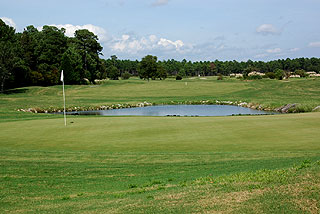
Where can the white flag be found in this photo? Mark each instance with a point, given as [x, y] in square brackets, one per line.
[61, 78]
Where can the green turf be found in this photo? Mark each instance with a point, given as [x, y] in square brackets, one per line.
[163, 134]
[161, 164]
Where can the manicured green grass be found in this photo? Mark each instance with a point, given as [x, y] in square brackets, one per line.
[163, 134]
[247, 164]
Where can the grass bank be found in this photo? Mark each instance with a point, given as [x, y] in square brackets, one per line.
[267, 93]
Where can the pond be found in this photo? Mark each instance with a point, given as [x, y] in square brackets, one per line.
[177, 110]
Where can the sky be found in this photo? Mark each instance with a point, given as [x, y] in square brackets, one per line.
[196, 30]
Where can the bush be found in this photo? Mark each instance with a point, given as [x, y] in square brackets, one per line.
[125, 76]
[254, 77]
[280, 74]
[178, 77]
[270, 75]
[301, 73]
[220, 77]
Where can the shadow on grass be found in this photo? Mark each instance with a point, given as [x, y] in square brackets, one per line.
[16, 91]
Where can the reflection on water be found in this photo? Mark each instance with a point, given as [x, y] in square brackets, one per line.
[177, 110]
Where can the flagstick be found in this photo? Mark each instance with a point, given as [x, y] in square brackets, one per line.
[64, 99]
[64, 109]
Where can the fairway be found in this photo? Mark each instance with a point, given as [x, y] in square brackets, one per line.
[160, 164]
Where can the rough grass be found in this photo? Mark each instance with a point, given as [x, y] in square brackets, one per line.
[159, 164]
[86, 182]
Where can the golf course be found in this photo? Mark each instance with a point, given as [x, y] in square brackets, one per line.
[139, 164]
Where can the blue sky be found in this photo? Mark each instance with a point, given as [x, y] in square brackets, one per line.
[191, 29]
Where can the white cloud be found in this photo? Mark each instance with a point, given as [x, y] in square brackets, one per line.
[160, 3]
[132, 45]
[71, 29]
[153, 38]
[275, 50]
[266, 29]
[9, 22]
[168, 44]
[314, 44]
[125, 37]
[119, 46]
[294, 49]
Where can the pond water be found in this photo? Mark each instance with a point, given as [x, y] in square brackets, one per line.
[177, 110]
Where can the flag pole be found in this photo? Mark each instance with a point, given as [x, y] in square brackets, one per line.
[64, 100]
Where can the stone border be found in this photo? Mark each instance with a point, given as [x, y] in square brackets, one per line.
[288, 108]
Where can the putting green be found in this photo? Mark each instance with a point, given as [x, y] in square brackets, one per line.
[292, 132]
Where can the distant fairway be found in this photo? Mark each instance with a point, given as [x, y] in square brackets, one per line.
[161, 164]
[269, 93]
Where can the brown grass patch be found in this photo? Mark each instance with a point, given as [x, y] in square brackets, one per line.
[230, 201]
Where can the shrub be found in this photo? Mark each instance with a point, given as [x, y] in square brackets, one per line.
[220, 77]
[301, 72]
[270, 75]
[280, 74]
[254, 77]
[300, 109]
[125, 76]
[178, 77]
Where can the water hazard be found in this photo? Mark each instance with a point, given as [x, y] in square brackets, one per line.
[177, 110]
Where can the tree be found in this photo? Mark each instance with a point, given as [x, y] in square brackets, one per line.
[71, 64]
[162, 72]
[89, 48]
[7, 55]
[50, 48]
[213, 68]
[114, 60]
[182, 72]
[113, 72]
[148, 67]
[27, 42]
[102, 69]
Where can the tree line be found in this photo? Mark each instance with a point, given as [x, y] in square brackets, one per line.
[36, 57]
